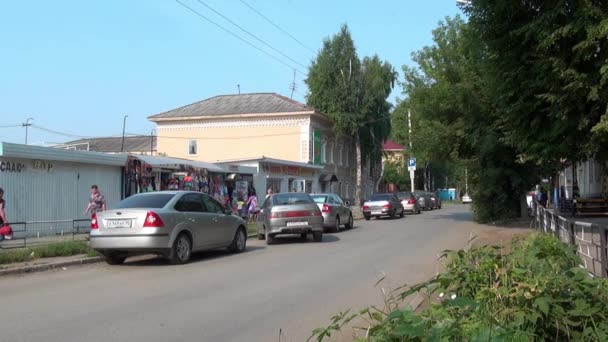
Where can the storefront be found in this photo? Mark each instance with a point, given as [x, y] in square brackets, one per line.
[51, 184]
[280, 175]
[154, 173]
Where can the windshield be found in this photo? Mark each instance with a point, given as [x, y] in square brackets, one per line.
[291, 198]
[153, 201]
[319, 199]
[381, 197]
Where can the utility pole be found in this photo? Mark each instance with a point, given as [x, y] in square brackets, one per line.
[124, 125]
[152, 142]
[409, 125]
[27, 124]
[293, 83]
[239, 88]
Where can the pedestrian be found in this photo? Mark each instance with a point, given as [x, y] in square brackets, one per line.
[97, 202]
[268, 193]
[252, 206]
[5, 230]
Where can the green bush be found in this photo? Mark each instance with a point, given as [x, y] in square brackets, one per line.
[537, 292]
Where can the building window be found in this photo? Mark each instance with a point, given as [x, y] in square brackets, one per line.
[192, 148]
[324, 152]
[331, 153]
[340, 158]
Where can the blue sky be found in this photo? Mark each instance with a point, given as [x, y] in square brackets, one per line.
[79, 66]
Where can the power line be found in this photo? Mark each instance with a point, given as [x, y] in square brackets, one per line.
[277, 26]
[237, 36]
[10, 126]
[251, 34]
[69, 135]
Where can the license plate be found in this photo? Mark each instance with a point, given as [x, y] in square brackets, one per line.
[118, 223]
[296, 224]
[377, 212]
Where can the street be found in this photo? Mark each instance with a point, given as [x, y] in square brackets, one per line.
[292, 287]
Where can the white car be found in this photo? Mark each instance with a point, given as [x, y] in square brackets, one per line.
[466, 199]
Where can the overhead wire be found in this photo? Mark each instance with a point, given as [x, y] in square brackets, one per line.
[250, 34]
[277, 26]
[11, 126]
[202, 16]
[69, 135]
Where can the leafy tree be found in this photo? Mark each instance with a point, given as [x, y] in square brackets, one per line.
[548, 65]
[353, 94]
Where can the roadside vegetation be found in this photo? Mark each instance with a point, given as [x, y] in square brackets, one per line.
[513, 93]
[535, 292]
[66, 248]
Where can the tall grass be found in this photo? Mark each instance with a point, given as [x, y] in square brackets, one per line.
[67, 248]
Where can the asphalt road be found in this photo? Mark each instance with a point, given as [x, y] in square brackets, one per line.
[292, 287]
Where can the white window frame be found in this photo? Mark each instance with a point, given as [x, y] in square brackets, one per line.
[341, 155]
[190, 143]
[324, 152]
[331, 153]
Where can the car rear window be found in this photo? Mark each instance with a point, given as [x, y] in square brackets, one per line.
[380, 198]
[156, 201]
[291, 198]
[404, 195]
[319, 199]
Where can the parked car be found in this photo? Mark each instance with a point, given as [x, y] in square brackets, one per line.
[424, 200]
[383, 205]
[335, 211]
[435, 200]
[466, 199]
[289, 213]
[409, 202]
[171, 224]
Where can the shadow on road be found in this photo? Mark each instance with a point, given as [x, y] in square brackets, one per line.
[284, 240]
[152, 260]
[455, 216]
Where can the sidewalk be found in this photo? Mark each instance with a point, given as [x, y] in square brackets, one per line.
[45, 264]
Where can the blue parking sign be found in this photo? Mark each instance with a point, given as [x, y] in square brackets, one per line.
[412, 162]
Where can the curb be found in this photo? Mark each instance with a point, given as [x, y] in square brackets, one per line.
[46, 267]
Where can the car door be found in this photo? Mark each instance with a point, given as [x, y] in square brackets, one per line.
[221, 229]
[191, 207]
[343, 210]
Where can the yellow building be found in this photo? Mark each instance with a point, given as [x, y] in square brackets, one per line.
[245, 127]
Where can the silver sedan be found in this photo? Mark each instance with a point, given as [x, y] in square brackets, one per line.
[289, 213]
[336, 212]
[171, 224]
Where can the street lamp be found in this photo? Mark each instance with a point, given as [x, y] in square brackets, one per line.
[26, 125]
[124, 124]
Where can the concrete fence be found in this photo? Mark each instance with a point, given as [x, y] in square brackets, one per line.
[589, 239]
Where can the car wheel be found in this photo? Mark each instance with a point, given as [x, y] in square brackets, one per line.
[114, 259]
[336, 228]
[393, 214]
[349, 224]
[367, 218]
[304, 236]
[317, 236]
[402, 213]
[181, 250]
[270, 239]
[239, 243]
[261, 237]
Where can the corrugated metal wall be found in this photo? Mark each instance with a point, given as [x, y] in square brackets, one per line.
[59, 194]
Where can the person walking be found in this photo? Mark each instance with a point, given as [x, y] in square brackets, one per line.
[5, 229]
[252, 206]
[97, 202]
[268, 193]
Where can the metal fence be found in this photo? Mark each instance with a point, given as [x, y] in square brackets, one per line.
[46, 232]
[589, 239]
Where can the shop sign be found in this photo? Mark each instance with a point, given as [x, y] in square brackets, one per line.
[42, 165]
[286, 170]
[7, 166]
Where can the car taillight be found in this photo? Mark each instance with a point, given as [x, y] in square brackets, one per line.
[94, 224]
[326, 208]
[386, 206]
[153, 220]
[366, 207]
[411, 201]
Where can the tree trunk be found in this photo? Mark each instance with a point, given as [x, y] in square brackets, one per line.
[426, 176]
[359, 189]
